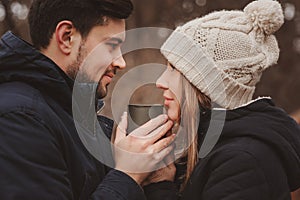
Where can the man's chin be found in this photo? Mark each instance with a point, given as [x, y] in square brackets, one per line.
[101, 96]
[101, 92]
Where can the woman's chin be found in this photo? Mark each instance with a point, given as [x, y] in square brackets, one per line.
[173, 116]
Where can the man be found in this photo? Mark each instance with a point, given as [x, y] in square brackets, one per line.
[41, 154]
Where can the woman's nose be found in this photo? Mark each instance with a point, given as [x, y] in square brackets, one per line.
[162, 82]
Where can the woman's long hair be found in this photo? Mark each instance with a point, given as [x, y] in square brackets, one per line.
[192, 103]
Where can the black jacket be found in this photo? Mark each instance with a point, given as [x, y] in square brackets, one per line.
[41, 154]
[257, 157]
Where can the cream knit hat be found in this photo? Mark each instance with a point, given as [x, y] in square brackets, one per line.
[224, 53]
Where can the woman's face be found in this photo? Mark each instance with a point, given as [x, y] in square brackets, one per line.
[170, 82]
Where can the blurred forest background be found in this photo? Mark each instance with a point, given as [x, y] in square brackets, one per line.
[281, 82]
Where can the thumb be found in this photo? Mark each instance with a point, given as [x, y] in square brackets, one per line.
[122, 127]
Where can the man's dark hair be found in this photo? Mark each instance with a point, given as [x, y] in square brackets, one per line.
[44, 16]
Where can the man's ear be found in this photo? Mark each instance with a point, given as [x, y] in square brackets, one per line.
[64, 34]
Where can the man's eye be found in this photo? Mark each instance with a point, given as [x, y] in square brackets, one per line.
[113, 45]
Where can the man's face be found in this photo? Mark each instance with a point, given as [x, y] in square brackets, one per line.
[99, 55]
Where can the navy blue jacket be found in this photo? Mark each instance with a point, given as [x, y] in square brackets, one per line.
[41, 154]
[257, 157]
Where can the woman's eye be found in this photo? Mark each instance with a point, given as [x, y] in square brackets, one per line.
[172, 67]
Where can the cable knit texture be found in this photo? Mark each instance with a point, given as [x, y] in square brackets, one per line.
[224, 53]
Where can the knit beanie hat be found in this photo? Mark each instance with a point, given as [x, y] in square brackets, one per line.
[224, 53]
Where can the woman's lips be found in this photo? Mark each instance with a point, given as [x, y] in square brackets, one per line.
[167, 103]
[167, 100]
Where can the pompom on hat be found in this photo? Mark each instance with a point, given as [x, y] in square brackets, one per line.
[224, 53]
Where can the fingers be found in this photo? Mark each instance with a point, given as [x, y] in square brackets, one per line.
[162, 154]
[150, 126]
[164, 143]
[160, 132]
[122, 127]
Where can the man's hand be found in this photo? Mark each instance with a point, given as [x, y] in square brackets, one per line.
[141, 152]
[164, 174]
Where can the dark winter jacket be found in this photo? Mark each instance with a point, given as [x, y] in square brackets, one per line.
[41, 154]
[257, 157]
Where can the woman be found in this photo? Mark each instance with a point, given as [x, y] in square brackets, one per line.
[241, 148]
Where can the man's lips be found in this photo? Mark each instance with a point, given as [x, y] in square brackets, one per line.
[109, 75]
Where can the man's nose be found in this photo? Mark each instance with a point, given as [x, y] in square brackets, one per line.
[119, 62]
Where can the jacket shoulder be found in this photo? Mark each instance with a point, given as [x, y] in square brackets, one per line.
[246, 161]
[18, 96]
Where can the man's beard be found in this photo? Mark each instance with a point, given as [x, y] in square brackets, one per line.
[101, 90]
[102, 87]
[73, 69]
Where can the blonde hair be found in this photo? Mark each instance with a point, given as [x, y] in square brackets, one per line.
[192, 102]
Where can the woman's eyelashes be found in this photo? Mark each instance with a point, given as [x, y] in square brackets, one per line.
[172, 67]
